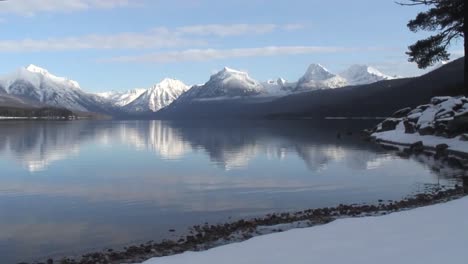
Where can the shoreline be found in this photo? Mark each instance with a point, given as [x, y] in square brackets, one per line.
[451, 151]
[203, 237]
[412, 143]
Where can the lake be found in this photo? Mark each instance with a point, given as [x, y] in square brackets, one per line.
[71, 187]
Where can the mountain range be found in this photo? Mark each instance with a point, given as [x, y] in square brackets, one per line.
[375, 99]
[35, 86]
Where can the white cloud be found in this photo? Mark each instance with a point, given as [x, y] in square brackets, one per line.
[291, 27]
[215, 54]
[143, 40]
[227, 30]
[32, 7]
[160, 37]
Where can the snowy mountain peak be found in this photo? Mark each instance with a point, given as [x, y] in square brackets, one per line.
[121, 99]
[227, 83]
[281, 81]
[230, 78]
[318, 77]
[364, 68]
[316, 72]
[40, 86]
[231, 70]
[362, 74]
[227, 72]
[169, 83]
[29, 73]
[37, 69]
[158, 96]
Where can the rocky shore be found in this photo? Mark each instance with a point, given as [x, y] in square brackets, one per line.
[438, 129]
[202, 237]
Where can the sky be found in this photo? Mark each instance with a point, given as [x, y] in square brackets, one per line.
[125, 44]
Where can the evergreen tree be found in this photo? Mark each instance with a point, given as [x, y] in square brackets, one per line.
[447, 18]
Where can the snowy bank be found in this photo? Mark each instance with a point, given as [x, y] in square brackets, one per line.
[397, 137]
[441, 125]
[434, 234]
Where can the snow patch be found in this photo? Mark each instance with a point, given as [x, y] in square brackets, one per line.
[430, 235]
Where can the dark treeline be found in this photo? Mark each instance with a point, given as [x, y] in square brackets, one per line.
[44, 112]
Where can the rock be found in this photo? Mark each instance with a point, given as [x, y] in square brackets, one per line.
[428, 130]
[439, 99]
[465, 185]
[402, 112]
[422, 108]
[443, 114]
[442, 147]
[464, 137]
[440, 129]
[441, 150]
[190, 239]
[409, 127]
[417, 146]
[389, 124]
[403, 154]
[389, 147]
[459, 124]
[366, 134]
[454, 162]
[428, 153]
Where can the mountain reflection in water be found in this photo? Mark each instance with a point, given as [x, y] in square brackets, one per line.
[67, 187]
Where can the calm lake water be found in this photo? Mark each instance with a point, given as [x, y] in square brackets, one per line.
[70, 187]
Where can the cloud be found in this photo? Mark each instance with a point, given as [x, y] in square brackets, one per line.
[216, 54]
[291, 27]
[32, 7]
[144, 40]
[234, 29]
[159, 37]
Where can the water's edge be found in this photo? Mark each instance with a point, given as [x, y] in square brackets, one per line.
[203, 237]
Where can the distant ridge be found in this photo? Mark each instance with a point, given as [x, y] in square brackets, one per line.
[376, 99]
[37, 86]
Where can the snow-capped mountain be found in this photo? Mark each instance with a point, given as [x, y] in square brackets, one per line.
[122, 98]
[278, 87]
[158, 96]
[227, 83]
[38, 85]
[318, 77]
[363, 74]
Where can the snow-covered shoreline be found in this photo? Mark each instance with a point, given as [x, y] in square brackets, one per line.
[206, 237]
[434, 234]
[398, 138]
[439, 126]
